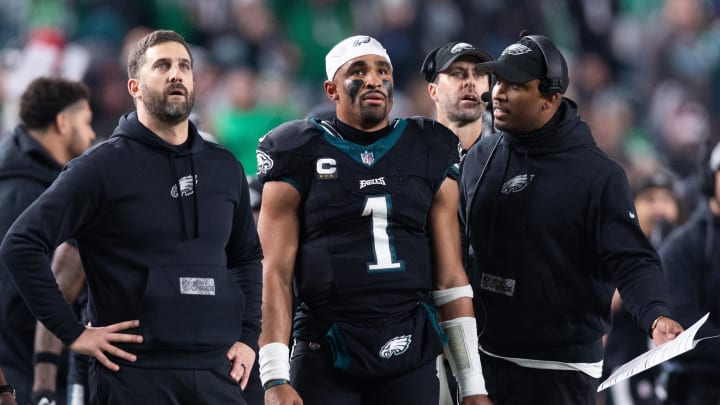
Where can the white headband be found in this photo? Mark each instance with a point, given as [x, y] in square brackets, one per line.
[351, 48]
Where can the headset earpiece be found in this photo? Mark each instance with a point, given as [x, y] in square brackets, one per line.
[428, 66]
[556, 67]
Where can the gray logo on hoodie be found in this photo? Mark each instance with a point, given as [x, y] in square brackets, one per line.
[187, 186]
[517, 183]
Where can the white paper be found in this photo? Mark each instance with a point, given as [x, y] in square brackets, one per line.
[682, 343]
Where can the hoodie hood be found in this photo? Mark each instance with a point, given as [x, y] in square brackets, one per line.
[565, 130]
[21, 156]
[131, 128]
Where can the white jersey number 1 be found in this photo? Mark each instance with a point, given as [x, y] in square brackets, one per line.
[379, 209]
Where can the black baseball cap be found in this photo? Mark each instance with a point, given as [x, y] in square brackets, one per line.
[524, 61]
[440, 59]
[657, 179]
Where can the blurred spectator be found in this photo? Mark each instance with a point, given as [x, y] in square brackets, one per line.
[240, 124]
[610, 115]
[55, 128]
[46, 53]
[659, 209]
[313, 27]
[691, 258]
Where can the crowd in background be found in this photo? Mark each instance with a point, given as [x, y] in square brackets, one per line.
[643, 71]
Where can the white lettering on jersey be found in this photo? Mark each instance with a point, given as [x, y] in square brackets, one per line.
[371, 182]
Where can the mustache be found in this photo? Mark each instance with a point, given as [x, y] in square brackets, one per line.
[372, 92]
[176, 86]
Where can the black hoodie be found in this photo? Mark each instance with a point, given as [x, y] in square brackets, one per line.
[553, 229]
[166, 236]
[26, 170]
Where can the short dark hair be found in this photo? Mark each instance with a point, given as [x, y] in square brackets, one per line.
[46, 97]
[137, 55]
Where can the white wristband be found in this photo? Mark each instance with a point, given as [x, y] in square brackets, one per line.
[442, 297]
[274, 362]
[462, 353]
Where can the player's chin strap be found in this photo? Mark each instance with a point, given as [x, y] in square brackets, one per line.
[462, 348]
[274, 364]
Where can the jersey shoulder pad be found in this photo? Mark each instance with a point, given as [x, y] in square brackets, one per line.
[436, 134]
[433, 129]
[290, 135]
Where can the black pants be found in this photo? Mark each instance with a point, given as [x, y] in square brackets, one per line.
[133, 385]
[510, 384]
[693, 389]
[319, 383]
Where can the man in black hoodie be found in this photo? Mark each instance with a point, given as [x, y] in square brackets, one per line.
[55, 127]
[163, 224]
[691, 257]
[553, 229]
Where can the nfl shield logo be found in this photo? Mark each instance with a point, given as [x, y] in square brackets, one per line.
[367, 158]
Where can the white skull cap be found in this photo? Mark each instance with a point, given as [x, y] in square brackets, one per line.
[351, 48]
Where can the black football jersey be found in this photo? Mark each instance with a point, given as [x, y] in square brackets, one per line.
[364, 245]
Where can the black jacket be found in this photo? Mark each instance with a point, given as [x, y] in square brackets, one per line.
[26, 170]
[553, 229]
[166, 236]
[691, 259]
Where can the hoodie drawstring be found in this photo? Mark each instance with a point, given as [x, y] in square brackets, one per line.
[195, 197]
[179, 197]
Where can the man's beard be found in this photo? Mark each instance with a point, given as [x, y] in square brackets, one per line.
[463, 115]
[164, 110]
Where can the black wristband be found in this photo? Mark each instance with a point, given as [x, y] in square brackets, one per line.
[7, 388]
[275, 383]
[46, 357]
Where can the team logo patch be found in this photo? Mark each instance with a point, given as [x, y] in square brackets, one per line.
[504, 286]
[395, 346]
[264, 162]
[517, 183]
[368, 158]
[460, 47]
[516, 49]
[380, 181]
[360, 41]
[197, 286]
[186, 186]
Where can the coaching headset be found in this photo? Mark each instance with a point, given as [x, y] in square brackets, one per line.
[556, 77]
[428, 69]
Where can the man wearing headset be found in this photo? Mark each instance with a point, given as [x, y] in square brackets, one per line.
[691, 258]
[461, 96]
[552, 225]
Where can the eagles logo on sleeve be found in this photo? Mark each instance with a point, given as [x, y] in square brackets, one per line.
[264, 162]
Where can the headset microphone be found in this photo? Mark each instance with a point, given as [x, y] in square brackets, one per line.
[486, 97]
